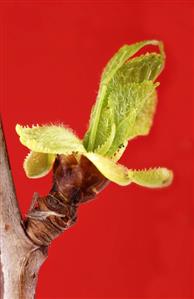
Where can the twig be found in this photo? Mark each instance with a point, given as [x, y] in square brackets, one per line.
[20, 257]
[24, 244]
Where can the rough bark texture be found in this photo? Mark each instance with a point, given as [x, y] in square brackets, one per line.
[24, 244]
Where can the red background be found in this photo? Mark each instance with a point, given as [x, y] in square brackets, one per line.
[130, 242]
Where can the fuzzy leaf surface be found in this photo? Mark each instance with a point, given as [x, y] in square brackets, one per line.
[119, 73]
[119, 174]
[152, 178]
[131, 104]
[50, 139]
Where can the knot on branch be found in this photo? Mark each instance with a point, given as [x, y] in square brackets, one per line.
[75, 181]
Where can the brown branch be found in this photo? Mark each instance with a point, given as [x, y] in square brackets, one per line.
[24, 244]
[20, 257]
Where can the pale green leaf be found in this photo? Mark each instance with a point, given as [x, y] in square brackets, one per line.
[152, 178]
[118, 74]
[103, 148]
[129, 103]
[105, 134]
[117, 155]
[112, 171]
[141, 68]
[124, 53]
[37, 165]
[145, 116]
[51, 139]
[117, 173]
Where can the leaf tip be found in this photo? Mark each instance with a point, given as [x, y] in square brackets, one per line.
[168, 176]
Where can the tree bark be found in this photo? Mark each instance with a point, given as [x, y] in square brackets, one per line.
[20, 257]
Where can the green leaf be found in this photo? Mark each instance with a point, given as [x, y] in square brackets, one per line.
[37, 165]
[107, 133]
[103, 149]
[119, 73]
[128, 103]
[124, 53]
[117, 155]
[50, 139]
[112, 171]
[141, 68]
[152, 178]
[117, 173]
[145, 116]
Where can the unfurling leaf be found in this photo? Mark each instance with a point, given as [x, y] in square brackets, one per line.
[104, 148]
[117, 173]
[126, 98]
[152, 178]
[50, 139]
[128, 103]
[124, 109]
[124, 53]
[112, 171]
[37, 165]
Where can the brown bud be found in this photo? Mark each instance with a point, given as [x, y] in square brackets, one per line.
[74, 181]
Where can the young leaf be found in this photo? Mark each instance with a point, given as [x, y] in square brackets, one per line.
[121, 71]
[141, 68]
[140, 123]
[117, 155]
[50, 139]
[152, 178]
[117, 173]
[104, 148]
[124, 53]
[128, 103]
[37, 165]
[106, 133]
[112, 171]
